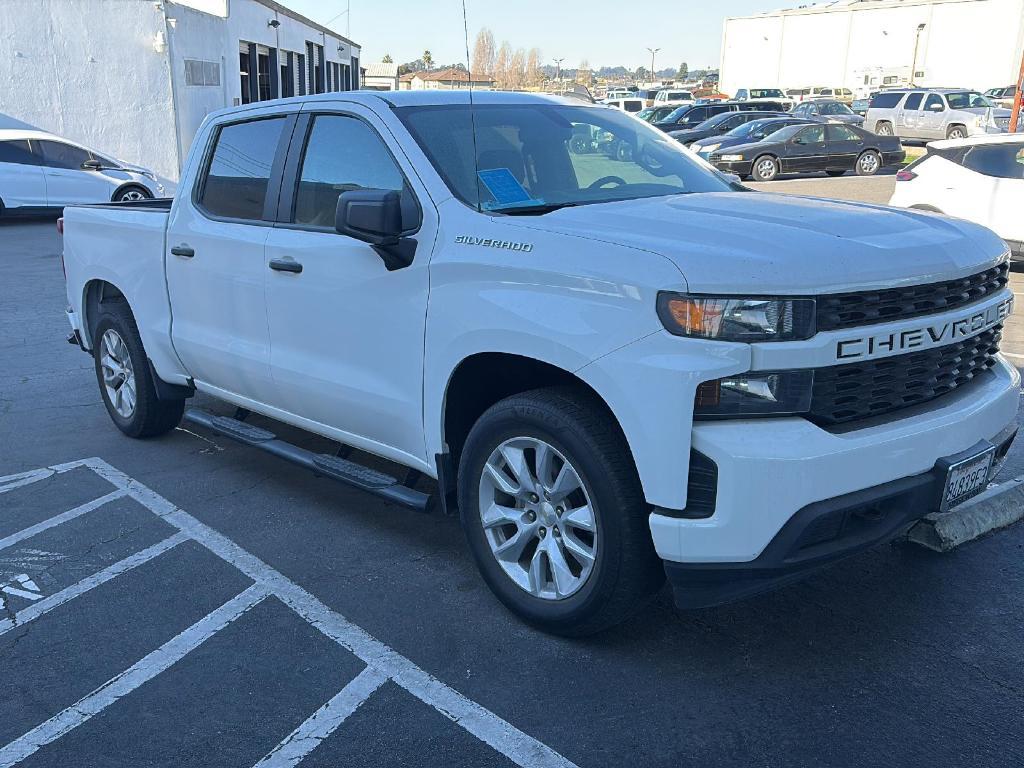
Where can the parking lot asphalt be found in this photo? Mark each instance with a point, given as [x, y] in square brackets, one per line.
[189, 601]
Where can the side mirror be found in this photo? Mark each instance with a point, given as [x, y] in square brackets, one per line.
[374, 216]
[798, 140]
[92, 165]
[937, 108]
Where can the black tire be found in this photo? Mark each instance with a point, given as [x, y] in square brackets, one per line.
[150, 416]
[626, 571]
[956, 132]
[132, 192]
[835, 172]
[868, 163]
[760, 169]
[884, 128]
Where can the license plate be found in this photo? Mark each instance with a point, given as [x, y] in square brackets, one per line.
[966, 478]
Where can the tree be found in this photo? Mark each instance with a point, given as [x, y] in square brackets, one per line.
[428, 60]
[482, 62]
[533, 74]
[684, 71]
[387, 59]
[583, 73]
[517, 70]
[501, 66]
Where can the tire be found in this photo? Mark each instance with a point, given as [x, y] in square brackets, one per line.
[579, 145]
[884, 128]
[132, 193]
[117, 348]
[835, 172]
[956, 132]
[624, 152]
[765, 168]
[575, 428]
[868, 163]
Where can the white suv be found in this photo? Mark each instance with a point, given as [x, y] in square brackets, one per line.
[39, 171]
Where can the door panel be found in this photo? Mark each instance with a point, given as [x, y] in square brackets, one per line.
[219, 328]
[933, 117]
[806, 151]
[908, 117]
[66, 182]
[347, 334]
[844, 146]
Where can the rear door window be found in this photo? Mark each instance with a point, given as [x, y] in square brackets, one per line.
[841, 133]
[16, 152]
[238, 175]
[913, 101]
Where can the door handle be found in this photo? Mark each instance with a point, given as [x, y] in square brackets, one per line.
[285, 265]
[183, 251]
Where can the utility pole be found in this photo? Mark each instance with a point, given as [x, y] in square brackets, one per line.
[653, 51]
[1015, 115]
[558, 68]
[913, 64]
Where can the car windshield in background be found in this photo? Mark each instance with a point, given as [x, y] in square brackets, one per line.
[539, 157]
[835, 108]
[676, 114]
[967, 99]
[766, 93]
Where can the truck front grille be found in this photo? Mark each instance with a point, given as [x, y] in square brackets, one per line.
[849, 310]
[844, 393]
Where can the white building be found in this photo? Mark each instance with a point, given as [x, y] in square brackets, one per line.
[135, 78]
[381, 76]
[864, 44]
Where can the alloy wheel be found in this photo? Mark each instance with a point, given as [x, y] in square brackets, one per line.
[132, 194]
[868, 163]
[118, 373]
[537, 518]
[766, 169]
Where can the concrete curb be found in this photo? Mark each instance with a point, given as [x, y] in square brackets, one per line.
[995, 508]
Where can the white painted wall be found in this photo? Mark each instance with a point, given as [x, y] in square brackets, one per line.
[969, 43]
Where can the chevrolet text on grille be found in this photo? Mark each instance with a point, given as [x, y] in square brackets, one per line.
[925, 336]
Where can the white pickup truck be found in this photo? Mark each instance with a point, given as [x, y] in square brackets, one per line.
[617, 365]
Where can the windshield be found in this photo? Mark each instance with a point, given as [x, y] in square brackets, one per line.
[967, 99]
[765, 93]
[835, 108]
[675, 114]
[540, 156]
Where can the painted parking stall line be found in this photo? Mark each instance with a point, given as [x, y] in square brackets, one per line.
[382, 662]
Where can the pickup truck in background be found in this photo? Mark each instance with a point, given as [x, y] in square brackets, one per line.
[617, 366]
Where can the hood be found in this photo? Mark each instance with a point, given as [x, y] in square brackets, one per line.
[763, 243]
[848, 119]
[690, 134]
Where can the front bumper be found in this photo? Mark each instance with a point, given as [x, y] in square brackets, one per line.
[771, 470]
[739, 167]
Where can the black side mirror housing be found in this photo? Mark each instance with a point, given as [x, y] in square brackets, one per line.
[92, 165]
[374, 216]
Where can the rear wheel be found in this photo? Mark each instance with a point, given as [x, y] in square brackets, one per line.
[126, 383]
[554, 514]
[868, 163]
[956, 132]
[766, 168]
[884, 128]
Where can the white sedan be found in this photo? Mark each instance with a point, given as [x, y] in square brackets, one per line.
[980, 179]
[40, 171]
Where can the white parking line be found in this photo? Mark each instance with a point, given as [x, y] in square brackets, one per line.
[53, 522]
[322, 723]
[145, 669]
[380, 659]
[24, 478]
[46, 605]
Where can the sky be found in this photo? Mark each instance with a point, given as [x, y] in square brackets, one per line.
[604, 32]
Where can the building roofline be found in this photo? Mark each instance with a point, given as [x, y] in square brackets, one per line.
[286, 11]
[840, 6]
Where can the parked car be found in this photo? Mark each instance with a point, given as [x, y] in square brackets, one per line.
[1002, 97]
[764, 94]
[492, 324]
[654, 114]
[673, 96]
[719, 124]
[618, 93]
[631, 105]
[860, 106]
[648, 95]
[829, 110]
[40, 172]
[748, 133]
[938, 113]
[828, 147]
[693, 115]
[980, 179]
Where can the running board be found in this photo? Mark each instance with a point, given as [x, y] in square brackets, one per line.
[334, 467]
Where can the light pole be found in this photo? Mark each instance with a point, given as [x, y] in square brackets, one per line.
[913, 65]
[653, 51]
[558, 68]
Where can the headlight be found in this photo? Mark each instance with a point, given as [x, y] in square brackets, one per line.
[758, 393]
[731, 158]
[726, 318]
[709, 148]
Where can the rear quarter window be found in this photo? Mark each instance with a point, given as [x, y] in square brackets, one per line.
[17, 152]
[886, 100]
[1001, 161]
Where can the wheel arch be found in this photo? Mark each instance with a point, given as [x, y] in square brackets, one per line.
[131, 185]
[95, 293]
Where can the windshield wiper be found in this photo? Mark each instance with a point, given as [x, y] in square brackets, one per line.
[532, 210]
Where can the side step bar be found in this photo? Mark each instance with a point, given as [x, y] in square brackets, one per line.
[334, 467]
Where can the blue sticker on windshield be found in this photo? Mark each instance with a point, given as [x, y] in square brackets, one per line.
[505, 188]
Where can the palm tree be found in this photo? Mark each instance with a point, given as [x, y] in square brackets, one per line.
[428, 60]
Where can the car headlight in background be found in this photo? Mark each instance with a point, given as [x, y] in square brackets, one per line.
[730, 158]
[709, 148]
[728, 318]
[758, 393]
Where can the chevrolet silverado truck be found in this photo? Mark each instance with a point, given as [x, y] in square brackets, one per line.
[617, 366]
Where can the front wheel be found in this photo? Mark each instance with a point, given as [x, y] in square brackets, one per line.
[131, 194]
[868, 163]
[554, 514]
[766, 168]
[126, 383]
[884, 129]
